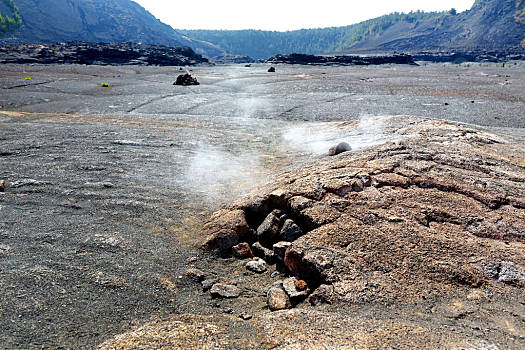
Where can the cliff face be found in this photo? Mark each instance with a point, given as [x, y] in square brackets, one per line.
[489, 25]
[50, 21]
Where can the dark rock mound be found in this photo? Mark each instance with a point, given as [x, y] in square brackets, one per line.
[296, 58]
[461, 56]
[100, 53]
[340, 148]
[185, 80]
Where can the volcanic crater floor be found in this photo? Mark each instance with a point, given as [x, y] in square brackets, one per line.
[414, 239]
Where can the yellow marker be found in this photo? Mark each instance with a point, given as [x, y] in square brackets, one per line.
[104, 84]
[28, 78]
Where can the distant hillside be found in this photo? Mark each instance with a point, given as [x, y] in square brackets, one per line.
[489, 25]
[9, 17]
[263, 44]
[48, 21]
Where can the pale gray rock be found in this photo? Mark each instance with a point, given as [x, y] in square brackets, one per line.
[258, 266]
[277, 299]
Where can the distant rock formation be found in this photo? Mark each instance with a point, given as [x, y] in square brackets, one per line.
[101, 53]
[296, 58]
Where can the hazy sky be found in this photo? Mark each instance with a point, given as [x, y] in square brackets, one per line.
[284, 14]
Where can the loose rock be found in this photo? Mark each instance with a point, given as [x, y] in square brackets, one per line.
[268, 231]
[271, 70]
[275, 274]
[340, 148]
[185, 80]
[290, 231]
[207, 284]
[2, 185]
[220, 290]
[277, 299]
[258, 265]
[195, 274]
[242, 251]
[264, 253]
[505, 271]
[300, 285]
[279, 249]
[293, 292]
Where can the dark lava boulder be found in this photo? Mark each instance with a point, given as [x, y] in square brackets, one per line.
[185, 80]
[340, 148]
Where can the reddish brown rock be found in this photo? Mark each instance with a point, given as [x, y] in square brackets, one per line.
[296, 290]
[227, 228]
[242, 251]
[300, 285]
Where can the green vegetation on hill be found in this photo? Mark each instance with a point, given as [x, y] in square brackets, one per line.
[263, 44]
[12, 22]
[520, 15]
[520, 11]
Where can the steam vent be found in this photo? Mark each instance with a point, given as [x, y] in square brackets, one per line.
[432, 221]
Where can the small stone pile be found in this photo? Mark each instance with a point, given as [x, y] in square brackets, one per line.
[273, 237]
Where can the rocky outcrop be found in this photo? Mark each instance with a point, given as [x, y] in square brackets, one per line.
[416, 243]
[438, 213]
[100, 53]
[296, 58]
[461, 56]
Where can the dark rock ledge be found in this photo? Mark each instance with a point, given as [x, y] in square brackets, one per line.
[100, 53]
[325, 60]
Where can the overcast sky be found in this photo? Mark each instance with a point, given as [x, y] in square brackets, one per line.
[284, 14]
